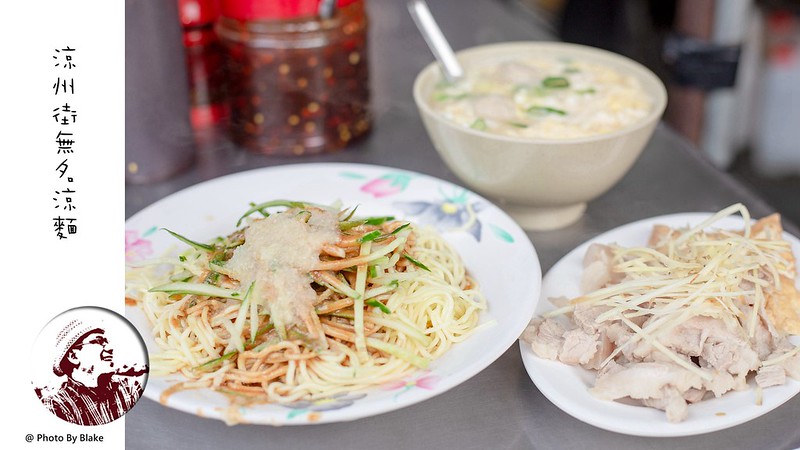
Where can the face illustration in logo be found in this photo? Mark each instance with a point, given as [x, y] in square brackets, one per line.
[92, 355]
[91, 386]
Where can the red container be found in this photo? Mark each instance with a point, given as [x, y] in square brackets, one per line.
[197, 13]
[296, 83]
[247, 10]
[204, 61]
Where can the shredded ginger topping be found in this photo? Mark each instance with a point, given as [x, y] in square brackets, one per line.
[718, 303]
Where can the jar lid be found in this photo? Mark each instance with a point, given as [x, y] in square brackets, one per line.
[272, 9]
[198, 12]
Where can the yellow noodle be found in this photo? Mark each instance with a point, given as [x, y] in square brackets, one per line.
[430, 311]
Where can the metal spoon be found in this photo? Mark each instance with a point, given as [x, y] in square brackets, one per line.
[451, 68]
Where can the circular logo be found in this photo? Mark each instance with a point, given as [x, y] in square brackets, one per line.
[90, 366]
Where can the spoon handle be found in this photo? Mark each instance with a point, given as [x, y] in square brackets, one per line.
[436, 41]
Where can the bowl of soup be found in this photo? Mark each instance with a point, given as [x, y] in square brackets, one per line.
[541, 127]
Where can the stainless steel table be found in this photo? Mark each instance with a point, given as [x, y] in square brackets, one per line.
[500, 407]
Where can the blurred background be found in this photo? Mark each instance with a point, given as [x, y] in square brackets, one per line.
[732, 70]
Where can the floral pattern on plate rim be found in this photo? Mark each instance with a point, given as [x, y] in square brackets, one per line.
[426, 381]
[451, 212]
[136, 247]
[314, 408]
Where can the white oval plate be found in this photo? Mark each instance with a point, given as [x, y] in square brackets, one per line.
[495, 250]
[567, 386]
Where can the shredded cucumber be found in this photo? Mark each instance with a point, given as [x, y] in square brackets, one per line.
[207, 290]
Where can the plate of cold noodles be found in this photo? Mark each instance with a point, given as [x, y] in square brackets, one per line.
[671, 326]
[323, 292]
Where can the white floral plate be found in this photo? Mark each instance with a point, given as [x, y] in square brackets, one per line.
[495, 250]
[567, 386]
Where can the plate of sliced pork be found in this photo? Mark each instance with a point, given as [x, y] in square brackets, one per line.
[671, 326]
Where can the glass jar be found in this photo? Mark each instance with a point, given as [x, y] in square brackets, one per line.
[296, 83]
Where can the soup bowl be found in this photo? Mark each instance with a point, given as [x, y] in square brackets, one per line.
[543, 183]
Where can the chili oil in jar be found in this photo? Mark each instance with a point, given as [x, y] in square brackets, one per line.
[296, 83]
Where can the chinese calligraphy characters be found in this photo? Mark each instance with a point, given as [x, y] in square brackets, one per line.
[66, 116]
